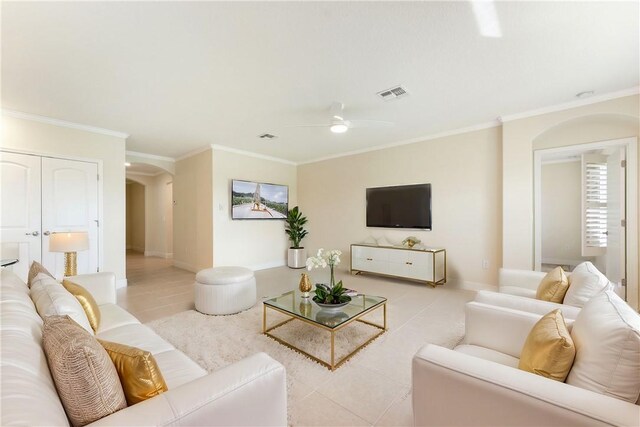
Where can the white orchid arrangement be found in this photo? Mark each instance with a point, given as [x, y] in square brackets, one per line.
[334, 293]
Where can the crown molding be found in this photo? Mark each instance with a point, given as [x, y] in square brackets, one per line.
[143, 173]
[63, 123]
[252, 154]
[194, 152]
[150, 156]
[572, 104]
[486, 125]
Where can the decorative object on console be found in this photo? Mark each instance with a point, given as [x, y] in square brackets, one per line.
[70, 243]
[411, 241]
[384, 242]
[305, 285]
[549, 350]
[554, 286]
[295, 230]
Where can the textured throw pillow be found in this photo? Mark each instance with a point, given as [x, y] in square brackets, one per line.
[607, 338]
[549, 349]
[584, 283]
[553, 286]
[139, 373]
[86, 380]
[86, 300]
[51, 299]
[35, 269]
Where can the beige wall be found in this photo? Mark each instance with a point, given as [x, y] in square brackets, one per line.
[617, 118]
[465, 173]
[256, 244]
[135, 217]
[47, 139]
[193, 212]
[561, 197]
[158, 213]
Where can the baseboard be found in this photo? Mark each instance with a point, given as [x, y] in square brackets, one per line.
[165, 255]
[266, 265]
[121, 283]
[135, 249]
[185, 266]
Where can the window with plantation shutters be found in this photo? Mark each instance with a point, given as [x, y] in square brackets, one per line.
[594, 204]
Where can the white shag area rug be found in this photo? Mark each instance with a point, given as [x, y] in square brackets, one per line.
[217, 341]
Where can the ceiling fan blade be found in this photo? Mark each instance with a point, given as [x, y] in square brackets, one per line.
[369, 123]
[325, 125]
[337, 111]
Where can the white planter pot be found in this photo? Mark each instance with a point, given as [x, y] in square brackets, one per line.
[297, 258]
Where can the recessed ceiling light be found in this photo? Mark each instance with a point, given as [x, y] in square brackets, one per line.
[339, 128]
[585, 94]
[486, 18]
[127, 164]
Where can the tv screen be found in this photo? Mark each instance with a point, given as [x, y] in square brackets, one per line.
[258, 200]
[405, 206]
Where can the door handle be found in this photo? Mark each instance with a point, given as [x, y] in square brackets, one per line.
[35, 234]
[46, 233]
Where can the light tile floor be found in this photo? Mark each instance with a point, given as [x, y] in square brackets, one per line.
[157, 289]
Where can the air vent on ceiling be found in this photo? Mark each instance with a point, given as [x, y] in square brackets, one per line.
[393, 93]
[267, 136]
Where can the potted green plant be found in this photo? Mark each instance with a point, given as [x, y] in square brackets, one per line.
[294, 228]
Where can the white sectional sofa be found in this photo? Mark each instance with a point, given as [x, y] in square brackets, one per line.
[251, 392]
[478, 383]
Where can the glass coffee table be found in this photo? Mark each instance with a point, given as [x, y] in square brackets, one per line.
[293, 305]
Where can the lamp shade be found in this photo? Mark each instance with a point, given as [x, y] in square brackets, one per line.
[73, 241]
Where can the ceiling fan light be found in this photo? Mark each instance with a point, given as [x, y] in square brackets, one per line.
[339, 128]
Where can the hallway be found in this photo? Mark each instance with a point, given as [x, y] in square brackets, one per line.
[155, 288]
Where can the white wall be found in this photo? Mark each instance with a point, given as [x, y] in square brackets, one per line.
[48, 139]
[136, 217]
[465, 174]
[255, 244]
[561, 206]
[193, 212]
[158, 213]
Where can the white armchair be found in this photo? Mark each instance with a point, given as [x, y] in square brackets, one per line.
[478, 382]
[529, 305]
[523, 283]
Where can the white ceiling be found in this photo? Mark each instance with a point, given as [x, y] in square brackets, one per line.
[144, 169]
[178, 76]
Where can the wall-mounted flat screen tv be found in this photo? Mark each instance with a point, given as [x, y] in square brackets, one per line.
[404, 206]
[258, 200]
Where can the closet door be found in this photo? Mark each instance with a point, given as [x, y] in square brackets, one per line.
[20, 231]
[70, 203]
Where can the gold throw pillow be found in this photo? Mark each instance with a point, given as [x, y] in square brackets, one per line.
[554, 286]
[139, 373]
[35, 269]
[549, 350]
[88, 303]
[85, 378]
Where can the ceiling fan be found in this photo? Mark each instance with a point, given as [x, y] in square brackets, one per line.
[338, 124]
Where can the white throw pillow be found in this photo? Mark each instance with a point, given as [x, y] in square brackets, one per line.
[585, 282]
[51, 299]
[606, 334]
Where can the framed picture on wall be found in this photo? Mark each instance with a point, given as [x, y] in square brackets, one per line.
[258, 200]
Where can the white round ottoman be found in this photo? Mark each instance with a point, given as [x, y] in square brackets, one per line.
[225, 290]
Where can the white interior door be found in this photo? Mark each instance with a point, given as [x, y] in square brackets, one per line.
[20, 211]
[69, 203]
[615, 214]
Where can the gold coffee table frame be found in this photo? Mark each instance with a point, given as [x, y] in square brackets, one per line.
[333, 365]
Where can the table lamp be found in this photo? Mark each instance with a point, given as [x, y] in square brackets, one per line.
[69, 243]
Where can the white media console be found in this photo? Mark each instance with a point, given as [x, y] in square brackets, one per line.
[427, 265]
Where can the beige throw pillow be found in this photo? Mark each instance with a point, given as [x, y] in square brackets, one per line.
[86, 300]
[86, 380]
[553, 286]
[549, 350]
[52, 299]
[35, 269]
